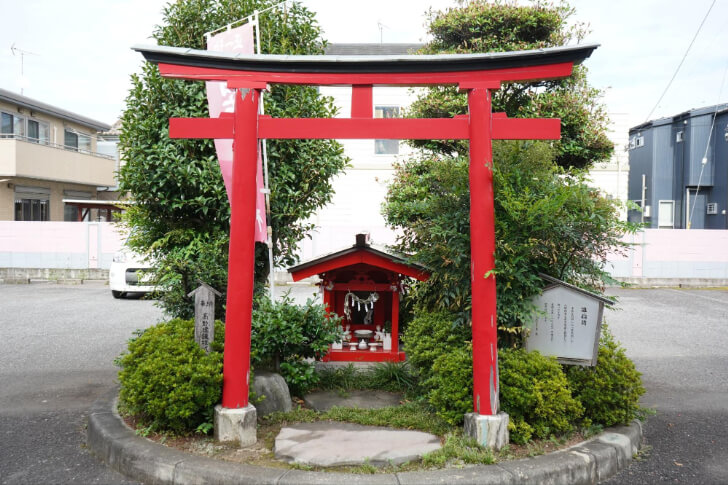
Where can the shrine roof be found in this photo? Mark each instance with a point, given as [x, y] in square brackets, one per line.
[380, 256]
[553, 282]
[398, 63]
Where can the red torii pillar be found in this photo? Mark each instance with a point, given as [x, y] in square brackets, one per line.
[480, 127]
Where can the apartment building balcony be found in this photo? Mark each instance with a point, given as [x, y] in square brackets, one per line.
[30, 158]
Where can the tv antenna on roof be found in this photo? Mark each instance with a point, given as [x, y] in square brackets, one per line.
[23, 53]
[381, 29]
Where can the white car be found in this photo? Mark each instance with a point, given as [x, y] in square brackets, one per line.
[129, 273]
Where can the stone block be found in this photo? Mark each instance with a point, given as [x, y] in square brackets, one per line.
[489, 431]
[275, 390]
[236, 425]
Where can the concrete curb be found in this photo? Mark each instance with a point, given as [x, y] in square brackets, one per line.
[141, 459]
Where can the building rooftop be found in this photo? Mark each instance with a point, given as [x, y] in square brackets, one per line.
[706, 110]
[371, 49]
[40, 107]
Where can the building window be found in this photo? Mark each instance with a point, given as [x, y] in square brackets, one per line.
[38, 132]
[666, 214]
[636, 142]
[386, 147]
[32, 204]
[11, 125]
[70, 139]
[679, 137]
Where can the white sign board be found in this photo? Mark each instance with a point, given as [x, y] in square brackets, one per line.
[567, 325]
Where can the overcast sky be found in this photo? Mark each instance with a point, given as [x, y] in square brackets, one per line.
[80, 58]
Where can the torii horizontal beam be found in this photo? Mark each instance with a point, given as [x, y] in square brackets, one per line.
[368, 128]
[409, 70]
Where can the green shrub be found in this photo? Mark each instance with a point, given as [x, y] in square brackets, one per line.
[609, 392]
[535, 394]
[300, 375]
[284, 334]
[167, 380]
[451, 384]
[430, 335]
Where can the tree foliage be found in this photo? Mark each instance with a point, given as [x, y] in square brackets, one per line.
[482, 26]
[547, 219]
[181, 212]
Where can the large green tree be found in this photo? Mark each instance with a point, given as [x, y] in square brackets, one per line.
[181, 213]
[547, 218]
[480, 26]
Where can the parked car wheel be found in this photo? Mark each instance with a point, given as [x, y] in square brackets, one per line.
[117, 294]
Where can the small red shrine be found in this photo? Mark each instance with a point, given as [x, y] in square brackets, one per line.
[363, 284]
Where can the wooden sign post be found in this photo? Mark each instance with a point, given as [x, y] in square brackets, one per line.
[204, 315]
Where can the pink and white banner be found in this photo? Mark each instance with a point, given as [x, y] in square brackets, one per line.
[220, 99]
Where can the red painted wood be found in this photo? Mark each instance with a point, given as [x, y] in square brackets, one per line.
[364, 128]
[356, 258]
[468, 85]
[327, 301]
[362, 287]
[201, 127]
[361, 101]
[526, 129]
[482, 247]
[342, 128]
[241, 264]
[403, 269]
[363, 356]
[243, 79]
[251, 85]
[395, 321]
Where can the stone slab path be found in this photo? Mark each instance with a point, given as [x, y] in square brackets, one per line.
[326, 443]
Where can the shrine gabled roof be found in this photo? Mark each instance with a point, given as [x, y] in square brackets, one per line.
[378, 256]
[406, 63]
[557, 282]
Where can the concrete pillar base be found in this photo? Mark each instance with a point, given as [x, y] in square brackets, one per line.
[236, 425]
[489, 431]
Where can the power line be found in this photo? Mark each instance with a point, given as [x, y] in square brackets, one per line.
[707, 146]
[681, 61]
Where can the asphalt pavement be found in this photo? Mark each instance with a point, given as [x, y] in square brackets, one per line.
[56, 358]
[59, 343]
[677, 339]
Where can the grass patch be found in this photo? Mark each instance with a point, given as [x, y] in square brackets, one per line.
[410, 415]
[458, 450]
[384, 376]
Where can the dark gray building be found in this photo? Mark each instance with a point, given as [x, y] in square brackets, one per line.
[678, 170]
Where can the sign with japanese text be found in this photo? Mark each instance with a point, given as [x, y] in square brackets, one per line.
[204, 315]
[567, 325]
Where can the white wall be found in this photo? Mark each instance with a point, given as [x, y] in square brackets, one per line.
[361, 189]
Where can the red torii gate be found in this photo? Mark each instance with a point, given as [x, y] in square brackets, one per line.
[476, 74]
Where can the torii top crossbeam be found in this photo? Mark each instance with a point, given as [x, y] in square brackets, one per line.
[476, 74]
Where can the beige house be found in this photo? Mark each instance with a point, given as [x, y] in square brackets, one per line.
[48, 155]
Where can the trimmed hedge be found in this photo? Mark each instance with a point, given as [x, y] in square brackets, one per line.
[609, 392]
[167, 380]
